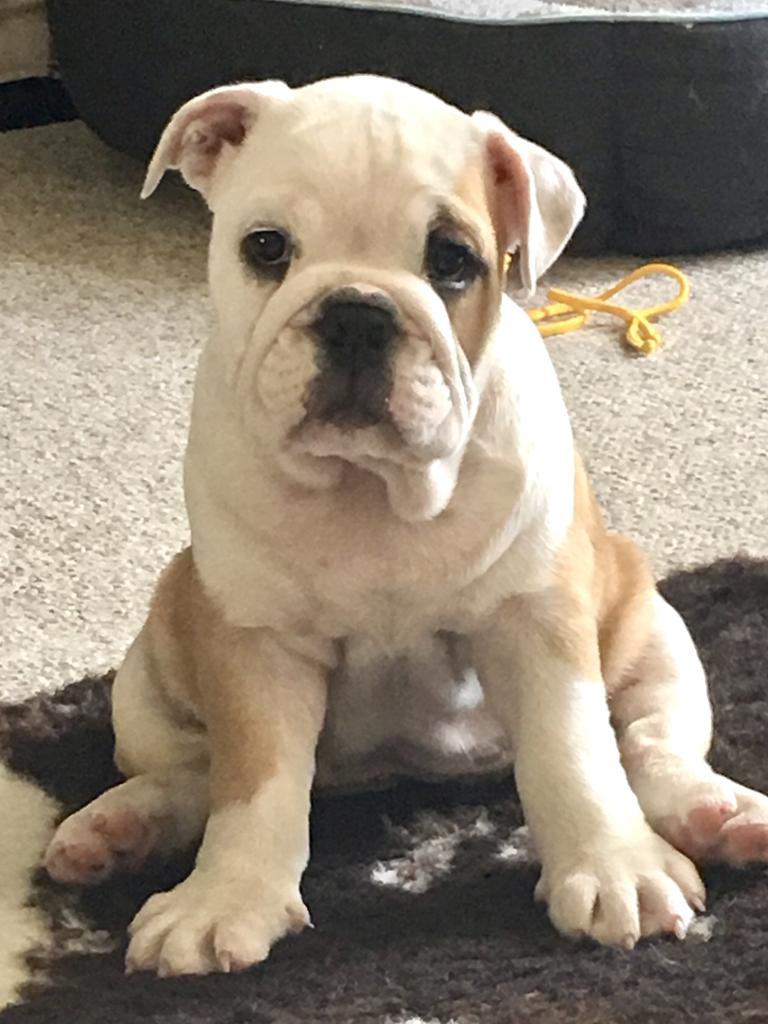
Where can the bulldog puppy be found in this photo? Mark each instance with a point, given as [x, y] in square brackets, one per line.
[397, 565]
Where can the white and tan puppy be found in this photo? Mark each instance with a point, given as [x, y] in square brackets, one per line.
[397, 565]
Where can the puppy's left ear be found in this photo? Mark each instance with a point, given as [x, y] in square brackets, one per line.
[206, 129]
[536, 200]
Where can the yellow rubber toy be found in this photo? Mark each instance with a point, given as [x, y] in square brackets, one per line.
[568, 312]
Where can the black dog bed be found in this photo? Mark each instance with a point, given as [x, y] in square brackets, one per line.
[422, 896]
[660, 105]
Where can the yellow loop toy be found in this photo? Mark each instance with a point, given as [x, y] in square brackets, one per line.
[568, 312]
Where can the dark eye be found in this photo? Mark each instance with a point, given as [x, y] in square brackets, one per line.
[450, 264]
[267, 250]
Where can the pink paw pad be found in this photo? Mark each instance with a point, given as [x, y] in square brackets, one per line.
[91, 845]
[77, 863]
[127, 833]
[698, 833]
[704, 823]
[745, 842]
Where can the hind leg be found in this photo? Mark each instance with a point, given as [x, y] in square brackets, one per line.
[163, 804]
[663, 721]
[245, 782]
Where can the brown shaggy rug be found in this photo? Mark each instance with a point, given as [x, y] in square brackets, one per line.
[422, 896]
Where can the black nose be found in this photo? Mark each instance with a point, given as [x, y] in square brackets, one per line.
[357, 329]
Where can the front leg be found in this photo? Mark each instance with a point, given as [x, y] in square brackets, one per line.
[605, 873]
[264, 708]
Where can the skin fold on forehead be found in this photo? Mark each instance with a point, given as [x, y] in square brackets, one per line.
[343, 144]
[351, 135]
[368, 96]
[363, 176]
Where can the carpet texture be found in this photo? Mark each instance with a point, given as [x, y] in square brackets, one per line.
[421, 896]
[102, 310]
[25, 50]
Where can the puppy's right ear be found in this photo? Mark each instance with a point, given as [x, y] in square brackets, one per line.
[204, 130]
[536, 198]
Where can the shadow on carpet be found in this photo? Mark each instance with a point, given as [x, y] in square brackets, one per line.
[422, 896]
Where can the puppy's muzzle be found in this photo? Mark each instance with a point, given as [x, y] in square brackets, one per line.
[356, 333]
[353, 327]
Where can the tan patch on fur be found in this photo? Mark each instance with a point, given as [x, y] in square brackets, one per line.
[605, 583]
[597, 613]
[204, 661]
[474, 313]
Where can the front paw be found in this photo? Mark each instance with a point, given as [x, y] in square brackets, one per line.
[207, 924]
[617, 892]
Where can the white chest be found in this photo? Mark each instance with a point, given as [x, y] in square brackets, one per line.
[417, 712]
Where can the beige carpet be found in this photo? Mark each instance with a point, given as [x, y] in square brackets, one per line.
[102, 308]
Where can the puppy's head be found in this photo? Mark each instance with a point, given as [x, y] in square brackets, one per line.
[358, 255]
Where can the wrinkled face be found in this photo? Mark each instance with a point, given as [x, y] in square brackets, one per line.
[356, 274]
[356, 262]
